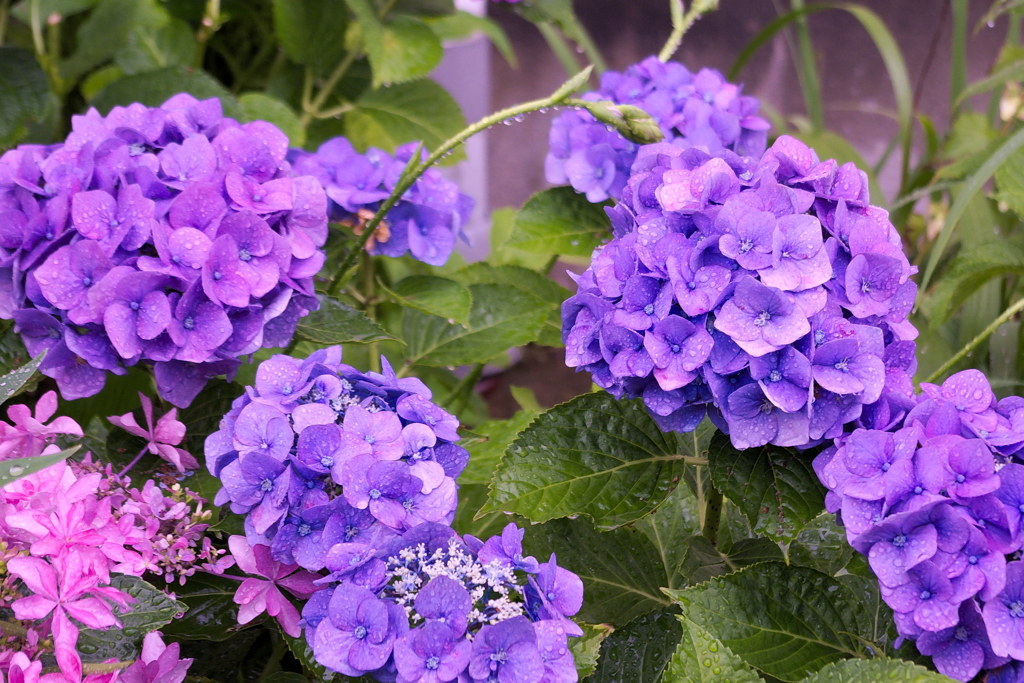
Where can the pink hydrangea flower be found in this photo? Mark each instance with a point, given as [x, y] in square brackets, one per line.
[256, 596]
[158, 663]
[29, 434]
[163, 439]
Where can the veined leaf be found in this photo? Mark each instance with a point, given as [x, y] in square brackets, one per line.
[560, 221]
[702, 658]
[311, 32]
[969, 271]
[593, 456]
[873, 670]
[586, 650]
[433, 295]
[336, 323]
[704, 561]
[12, 382]
[152, 609]
[639, 651]
[822, 545]
[24, 94]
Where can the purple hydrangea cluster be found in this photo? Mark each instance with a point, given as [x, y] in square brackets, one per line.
[318, 453]
[770, 296]
[700, 110]
[424, 223]
[428, 606]
[936, 503]
[172, 236]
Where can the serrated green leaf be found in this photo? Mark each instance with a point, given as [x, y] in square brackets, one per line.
[13, 470]
[704, 561]
[485, 455]
[874, 670]
[786, 621]
[259, 107]
[822, 545]
[152, 609]
[336, 323]
[462, 25]
[969, 271]
[702, 658]
[501, 317]
[12, 382]
[560, 221]
[586, 649]
[639, 651]
[775, 487]
[151, 46]
[433, 295]
[406, 49]
[210, 611]
[153, 88]
[591, 456]
[502, 254]
[311, 32]
[24, 94]
[406, 112]
[105, 32]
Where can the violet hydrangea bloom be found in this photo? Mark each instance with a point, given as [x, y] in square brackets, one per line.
[693, 110]
[170, 236]
[769, 295]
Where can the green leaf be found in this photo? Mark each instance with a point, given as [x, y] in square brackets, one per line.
[1010, 182]
[485, 455]
[406, 49]
[65, 8]
[204, 414]
[285, 677]
[311, 32]
[24, 94]
[970, 271]
[12, 382]
[1014, 71]
[874, 670]
[13, 470]
[501, 317]
[462, 25]
[775, 487]
[702, 658]
[336, 323]
[586, 650]
[434, 295]
[822, 545]
[591, 456]
[786, 621]
[430, 8]
[622, 571]
[704, 561]
[152, 609]
[259, 107]
[105, 32]
[502, 224]
[560, 221]
[210, 611]
[640, 651]
[407, 112]
[155, 46]
[471, 499]
[153, 88]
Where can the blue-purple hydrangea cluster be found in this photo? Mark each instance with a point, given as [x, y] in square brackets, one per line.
[771, 296]
[424, 223]
[171, 235]
[429, 606]
[936, 503]
[693, 110]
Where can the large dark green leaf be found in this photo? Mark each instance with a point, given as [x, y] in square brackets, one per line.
[501, 317]
[775, 487]
[152, 609]
[704, 561]
[24, 93]
[592, 456]
[336, 323]
[434, 295]
[786, 621]
[153, 88]
[407, 112]
[260, 107]
[874, 670]
[640, 651]
[13, 381]
[586, 649]
[702, 658]
[150, 46]
[560, 221]
[105, 32]
[822, 545]
[12, 470]
[210, 612]
[406, 49]
[312, 32]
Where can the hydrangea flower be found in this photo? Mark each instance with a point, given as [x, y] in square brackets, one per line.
[768, 295]
[157, 663]
[171, 236]
[934, 500]
[424, 223]
[693, 110]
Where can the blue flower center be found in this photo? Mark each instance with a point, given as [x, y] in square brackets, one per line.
[134, 305]
[351, 532]
[960, 633]
[217, 275]
[973, 559]
[842, 366]
[675, 348]
[266, 485]
[551, 596]
[819, 337]
[257, 198]
[244, 255]
[1016, 609]
[885, 467]
[899, 540]
[175, 259]
[135, 150]
[762, 318]
[767, 407]
[327, 461]
[1020, 508]
[360, 632]
[960, 478]
[54, 333]
[114, 223]
[49, 234]
[709, 98]
[305, 529]
[87, 281]
[918, 490]
[188, 323]
[408, 504]
[926, 595]
[746, 245]
[432, 663]
[286, 389]
[649, 309]
[775, 376]
[691, 285]
[865, 286]
[599, 172]
[374, 494]
[500, 656]
[369, 438]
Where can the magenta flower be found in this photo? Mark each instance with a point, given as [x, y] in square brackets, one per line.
[158, 663]
[162, 439]
[28, 436]
[256, 596]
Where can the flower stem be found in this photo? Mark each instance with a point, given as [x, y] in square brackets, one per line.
[416, 168]
[313, 110]
[982, 336]
[681, 23]
[134, 461]
[712, 516]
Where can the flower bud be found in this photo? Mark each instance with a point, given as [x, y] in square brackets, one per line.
[635, 124]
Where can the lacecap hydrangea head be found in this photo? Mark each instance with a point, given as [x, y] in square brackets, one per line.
[429, 606]
[172, 236]
[771, 296]
[693, 110]
[424, 223]
[936, 502]
[318, 453]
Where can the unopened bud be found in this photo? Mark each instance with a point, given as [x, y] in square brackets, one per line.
[633, 123]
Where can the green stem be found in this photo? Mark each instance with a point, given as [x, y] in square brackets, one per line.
[695, 461]
[208, 25]
[415, 168]
[958, 68]
[807, 71]
[556, 41]
[982, 336]
[457, 400]
[675, 39]
[3, 19]
[321, 97]
[37, 29]
[712, 516]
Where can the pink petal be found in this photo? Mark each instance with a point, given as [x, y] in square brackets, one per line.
[46, 406]
[92, 612]
[243, 554]
[65, 637]
[37, 574]
[33, 607]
